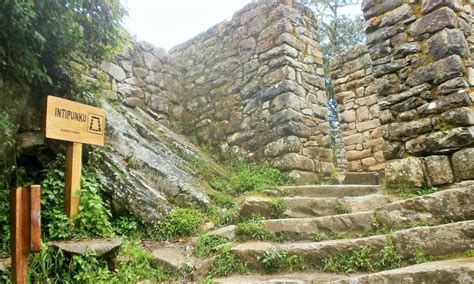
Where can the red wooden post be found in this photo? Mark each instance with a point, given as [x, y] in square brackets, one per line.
[25, 229]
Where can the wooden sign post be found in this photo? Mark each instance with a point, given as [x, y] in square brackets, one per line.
[25, 229]
[76, 123]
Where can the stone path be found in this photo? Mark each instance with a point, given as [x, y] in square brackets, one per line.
[438, 225]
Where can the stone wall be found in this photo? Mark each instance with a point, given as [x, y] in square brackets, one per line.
[147, 77]
[422, 65]
[359, 125]
[252, 86]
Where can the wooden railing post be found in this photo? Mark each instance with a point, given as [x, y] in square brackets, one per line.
[25, 229]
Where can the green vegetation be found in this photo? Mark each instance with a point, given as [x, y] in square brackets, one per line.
[404, 190]
[208, 245]
[278, 260]
[319, 237]
[420, 257]
[182, 222]
[251, 230]
[365, 258]
[341, 207]
[225, 264]
[277, 208]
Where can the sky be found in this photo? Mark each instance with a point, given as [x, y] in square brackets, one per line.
[167, 23]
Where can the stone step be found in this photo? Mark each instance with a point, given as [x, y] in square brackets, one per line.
[440, 207]
[460, 270]
[336, 190]
[372, 178]
[431, 241]
[301, 207]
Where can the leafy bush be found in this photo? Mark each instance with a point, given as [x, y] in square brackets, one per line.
[251, 230]
[226, 264]
[182, 222]
[277, 260]
[208, 245]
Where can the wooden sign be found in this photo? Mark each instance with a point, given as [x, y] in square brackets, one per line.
[70, 121]
[25, 229]
[77, 123]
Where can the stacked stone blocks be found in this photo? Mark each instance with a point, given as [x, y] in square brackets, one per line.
[359, 125]
[422, 64]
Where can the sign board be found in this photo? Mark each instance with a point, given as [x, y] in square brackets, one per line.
[74, 122]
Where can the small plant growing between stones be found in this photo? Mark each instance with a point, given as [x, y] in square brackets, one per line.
[251, 230]
[341, 207]
[208, 245]
[182, 222]
[278, 260]
[420, 257]
[225, 264]
[277, 208]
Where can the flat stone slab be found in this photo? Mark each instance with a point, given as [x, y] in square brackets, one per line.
[432, 241]
[172, 258]
[339, 190]
[368, 178]
[226, 232]
[306, 228]
[95, 247]
[302, 207]
[446, 271]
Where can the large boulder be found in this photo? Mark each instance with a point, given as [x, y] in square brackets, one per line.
[405, 172]
[145, 167]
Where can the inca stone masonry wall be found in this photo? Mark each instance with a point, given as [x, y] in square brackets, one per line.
[251, 86]
[359, 130]
[421, 55]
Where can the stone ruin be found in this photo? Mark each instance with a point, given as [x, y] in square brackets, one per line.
[255, 86]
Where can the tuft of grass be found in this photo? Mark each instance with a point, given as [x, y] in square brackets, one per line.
[208, 245]
[251, 230]
[420, 257]
[225, 264]
[365, 258]
[182, 222]
[341, 207]
[278, 260]
[319, 237]
[277, 208]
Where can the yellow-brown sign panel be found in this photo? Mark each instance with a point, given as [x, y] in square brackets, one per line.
[75, 122]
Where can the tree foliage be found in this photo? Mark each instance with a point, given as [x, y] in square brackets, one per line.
[38, 38]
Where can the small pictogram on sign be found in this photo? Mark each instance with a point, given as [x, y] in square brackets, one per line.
[95, 124]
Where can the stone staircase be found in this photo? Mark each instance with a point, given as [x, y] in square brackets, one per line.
[319, 222]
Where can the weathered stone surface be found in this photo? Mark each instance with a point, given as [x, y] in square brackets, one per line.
[113, 70]
[357, 155]
[456, 100]
[442, 141]
[227, 232]
[172, 258]
[374, 8]
[447, 42]
[429, 5]
[327, 190]
[105, 248]
[449, 271]
[435, 21]
[447, 205]
[282, 146]
[369, 178]
[405, 172]
[396, 15]
[463, 164]
[304, 177]
[406, 130]
[439, 71]
[458, 117]
[293, 161]
[439, 170]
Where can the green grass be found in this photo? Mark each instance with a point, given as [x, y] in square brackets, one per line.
[277, 208]
[225, 264]
[251, 230]
[208, 245]
[279, 260]
[341, 207]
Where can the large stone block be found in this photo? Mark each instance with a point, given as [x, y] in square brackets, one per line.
[357, 155]
[293, 161]
[429, 5]
[303, 177]
[442, 141]
[438, 170]
[282, 146]
[447, 42]
[435, 21]
[405, 172]
[463, 164]
[438, 72]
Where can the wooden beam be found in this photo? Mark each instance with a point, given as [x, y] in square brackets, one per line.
[35, 218]
[73, 178]
[19, 238]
